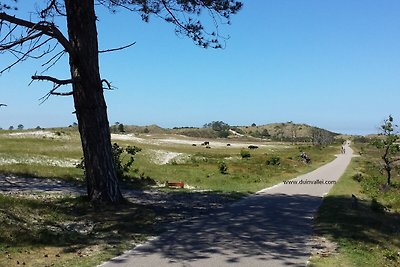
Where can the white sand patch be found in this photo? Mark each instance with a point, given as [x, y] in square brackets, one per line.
[235, 133]
[162, 157]
[37, 134]
[183, 140]
[233, 158]
[41, 160]
[132, 137]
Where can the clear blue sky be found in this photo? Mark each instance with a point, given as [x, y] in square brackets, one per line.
[333, 64]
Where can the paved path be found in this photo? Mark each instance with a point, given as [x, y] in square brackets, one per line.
[269, 228]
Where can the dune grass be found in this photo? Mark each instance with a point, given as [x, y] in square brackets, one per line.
[68, 231]
[366, 235]
[200, 166]
[197, 166]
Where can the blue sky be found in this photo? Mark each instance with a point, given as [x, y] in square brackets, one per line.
[333, 64]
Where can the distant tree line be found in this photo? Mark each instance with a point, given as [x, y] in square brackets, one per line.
[19, 127]
[221, 128]
[117, 128]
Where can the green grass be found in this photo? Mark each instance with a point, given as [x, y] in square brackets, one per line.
[367, 235]
[201, 168]
[35, 232]
[27, 153]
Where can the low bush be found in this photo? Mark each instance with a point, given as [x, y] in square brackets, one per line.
[122, 165]
[245, 154]
[223, 168]
[357, 177]
[274, 161]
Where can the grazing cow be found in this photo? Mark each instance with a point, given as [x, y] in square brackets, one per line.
[208, 147]
[194, 145]
[252, 147]
[228, 144]
[205, 143]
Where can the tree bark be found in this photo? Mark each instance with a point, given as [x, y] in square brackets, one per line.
[90, 106]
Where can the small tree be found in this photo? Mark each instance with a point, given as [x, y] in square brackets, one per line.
[223, 168]
[20, 127]
[265, 134]
[11, 128]
[389, 146]
[121, 128]
[123, 159]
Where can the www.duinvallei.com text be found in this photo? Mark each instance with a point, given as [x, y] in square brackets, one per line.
[309, 182]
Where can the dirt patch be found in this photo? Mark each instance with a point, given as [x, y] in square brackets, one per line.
[322, 247]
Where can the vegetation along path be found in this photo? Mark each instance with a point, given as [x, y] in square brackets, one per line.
[270, 228]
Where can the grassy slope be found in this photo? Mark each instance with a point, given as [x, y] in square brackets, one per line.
[35, 231]
[67, 147]
[366, 236]
[199, 168]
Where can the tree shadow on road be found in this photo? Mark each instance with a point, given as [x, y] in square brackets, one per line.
[261, 227]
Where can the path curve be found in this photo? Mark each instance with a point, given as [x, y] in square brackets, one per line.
[270, 228]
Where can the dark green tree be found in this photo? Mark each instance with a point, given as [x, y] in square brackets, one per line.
[39, 36]
[265, 134]
[217, 126]
[121, 128]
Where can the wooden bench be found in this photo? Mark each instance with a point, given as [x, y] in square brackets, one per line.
[174, 184]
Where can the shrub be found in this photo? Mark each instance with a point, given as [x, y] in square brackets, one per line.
[274, 160]
[118, 151]
[119, 158]
[357, 177]
[245, 154]
[223, 134]
[223, 168]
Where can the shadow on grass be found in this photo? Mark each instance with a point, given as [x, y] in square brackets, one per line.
[72, 223]
[72, 178]
[368, 223]
[20, 183]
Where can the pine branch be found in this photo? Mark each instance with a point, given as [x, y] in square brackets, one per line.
[117, 49]
[45, 28]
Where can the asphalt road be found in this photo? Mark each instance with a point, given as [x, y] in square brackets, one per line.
[270, 228]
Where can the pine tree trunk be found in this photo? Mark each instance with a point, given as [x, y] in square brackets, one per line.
[90, 106]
